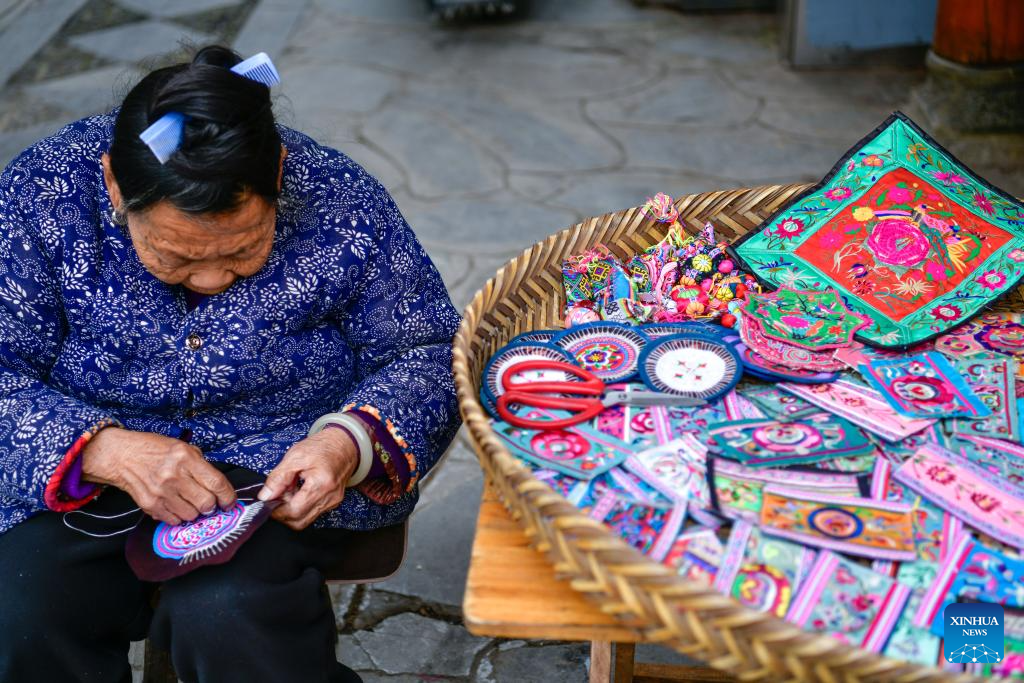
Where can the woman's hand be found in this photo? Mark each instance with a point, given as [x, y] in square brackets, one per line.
[166, 477]
[311, 477]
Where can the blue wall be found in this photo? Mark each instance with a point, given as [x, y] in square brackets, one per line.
[868, 24]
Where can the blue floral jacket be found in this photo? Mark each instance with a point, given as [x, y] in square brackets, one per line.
[347, 311]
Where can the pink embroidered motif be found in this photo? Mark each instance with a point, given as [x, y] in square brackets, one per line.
[934, 473]
[862, 406]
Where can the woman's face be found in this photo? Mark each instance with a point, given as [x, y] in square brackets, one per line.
[208, 252]
[204, 252]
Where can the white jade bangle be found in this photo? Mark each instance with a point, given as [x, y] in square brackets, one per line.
[358, 432]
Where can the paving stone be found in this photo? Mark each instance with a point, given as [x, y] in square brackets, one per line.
[498, 223]
[698, 99]
[400, 11]
[328, 38]
[138, 41]
[376, 605]
[341, 599]
[727, 155]
[541, 664]
[441, 537]
[608, 12]
[92, 92]
[440, 159]
[528, 135]
[351, 653]
[410, 643]
[360, 90]
[657, 654]
[693, 40]
[548, 72]
[595, 194]
[824, 117]
[176, 8]
[771, 79]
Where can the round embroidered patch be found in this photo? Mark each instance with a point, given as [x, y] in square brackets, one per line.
[787, 437]
[691, 366]
[517, 352]
[835, 523]
[205, 535]
[556, 444]
[544, 336]
[608, 350]
[660, 330]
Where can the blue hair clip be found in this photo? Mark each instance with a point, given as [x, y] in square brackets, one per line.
[163, 137]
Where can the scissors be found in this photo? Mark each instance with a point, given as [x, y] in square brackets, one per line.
[585, 398]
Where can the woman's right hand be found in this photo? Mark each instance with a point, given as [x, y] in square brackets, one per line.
[168, 478]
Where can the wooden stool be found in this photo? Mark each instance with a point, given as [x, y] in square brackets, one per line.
[512, 592]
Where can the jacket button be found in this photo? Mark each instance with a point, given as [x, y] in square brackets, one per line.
[193, 341]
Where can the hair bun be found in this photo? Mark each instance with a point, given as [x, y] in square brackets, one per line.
[217, 55]
[229, 143]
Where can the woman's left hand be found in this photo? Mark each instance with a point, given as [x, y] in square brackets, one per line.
[323, 462]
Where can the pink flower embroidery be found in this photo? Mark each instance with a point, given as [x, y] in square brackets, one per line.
[863, 603]
[871, 160]
[839, 193]
[948, 178]
[1016, 255]
[984, 501]
[946, 312]
[863, 287]
[935, 271]
[844, 576]
[900, 195]
[991, 280]
[789, 228]
[941, 474]
[829, 240]
[983, 203]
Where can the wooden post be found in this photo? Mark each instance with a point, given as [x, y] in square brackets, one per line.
[980, 32]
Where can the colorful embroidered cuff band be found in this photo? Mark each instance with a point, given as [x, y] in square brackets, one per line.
[62, 495]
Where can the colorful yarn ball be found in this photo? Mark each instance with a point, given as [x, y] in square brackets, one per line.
[726, 267]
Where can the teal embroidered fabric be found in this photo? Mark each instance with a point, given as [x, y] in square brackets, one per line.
[908, 235]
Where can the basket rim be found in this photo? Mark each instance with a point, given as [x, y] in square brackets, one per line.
[618, 557]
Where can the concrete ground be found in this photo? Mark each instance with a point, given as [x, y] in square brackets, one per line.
[490, 138]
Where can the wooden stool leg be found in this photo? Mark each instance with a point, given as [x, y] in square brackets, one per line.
[611, 662]
[624, 658]
[600, 661]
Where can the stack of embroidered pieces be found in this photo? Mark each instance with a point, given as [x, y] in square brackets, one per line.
[868, 470]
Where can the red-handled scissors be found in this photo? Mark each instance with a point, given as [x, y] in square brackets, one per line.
[585, 399]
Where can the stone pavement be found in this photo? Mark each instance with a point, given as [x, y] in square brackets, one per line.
[490, 138]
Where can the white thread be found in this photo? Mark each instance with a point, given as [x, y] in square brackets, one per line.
[121, 514]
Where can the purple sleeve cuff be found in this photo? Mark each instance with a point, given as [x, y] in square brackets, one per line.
[72, 485]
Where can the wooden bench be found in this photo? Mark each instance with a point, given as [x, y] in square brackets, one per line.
[512, 592]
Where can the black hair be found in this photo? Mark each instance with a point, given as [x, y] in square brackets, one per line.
[229, 147]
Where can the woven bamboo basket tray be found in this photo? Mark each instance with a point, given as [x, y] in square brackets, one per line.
[527, 294]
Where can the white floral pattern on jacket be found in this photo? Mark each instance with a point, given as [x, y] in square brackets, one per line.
[347, 309]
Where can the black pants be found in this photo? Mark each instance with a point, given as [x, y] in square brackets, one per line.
[69, 605]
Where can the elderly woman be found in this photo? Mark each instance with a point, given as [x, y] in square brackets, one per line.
[169, 333]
